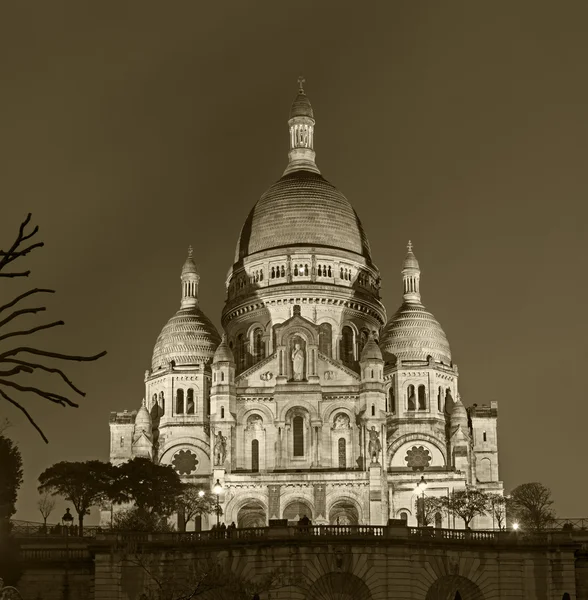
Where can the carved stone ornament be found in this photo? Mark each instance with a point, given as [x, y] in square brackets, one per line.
[185, 462]
[330, 375]
[418, 458]
[266, 376]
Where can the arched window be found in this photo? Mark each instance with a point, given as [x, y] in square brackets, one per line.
[422, 398]
[222, 376]
[306, 270]
[347, 354]
[392, 398]
[261, 275]
[241, 351]
[373, 411]
[329, 272]
[326, 339]
[342, 447]
[363, 338]
[341, 273]
[404, 516]
[180, 402]
[258, 345]
[320, 271]
[410, 398]
[298, 436]
[222, 412]
[440, 400]
[438, 521]
[190, 402]
[295, 269]
[255, 456]
[154, 399]
[283, 271]
[273, 273]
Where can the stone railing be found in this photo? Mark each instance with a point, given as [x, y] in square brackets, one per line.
[31, 529]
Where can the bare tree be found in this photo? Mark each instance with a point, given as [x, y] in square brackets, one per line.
[426, 509]
[466, 504]
[46, 504]
[14, 360]
[497, 504]
[531, 504]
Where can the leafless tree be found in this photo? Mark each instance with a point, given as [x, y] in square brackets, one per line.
[46, 504]
[531, 504]
[16, 360]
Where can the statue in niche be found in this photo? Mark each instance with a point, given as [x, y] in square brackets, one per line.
[374, 446]
[341, 421]
[220, 449]
[297, 363]
[254, 422]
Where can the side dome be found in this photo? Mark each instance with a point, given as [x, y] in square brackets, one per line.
[223, 352]
[413, 333]
[143, 420]
[189, 337]
[302, 209]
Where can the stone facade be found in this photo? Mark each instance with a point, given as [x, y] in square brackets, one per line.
[314, 403]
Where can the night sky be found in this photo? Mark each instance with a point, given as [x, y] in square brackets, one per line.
[133, 129]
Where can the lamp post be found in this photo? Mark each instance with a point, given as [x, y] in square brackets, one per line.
[421, 487]
[217, 489]
[66, 521]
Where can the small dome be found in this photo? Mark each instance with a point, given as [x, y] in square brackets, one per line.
[413, 333]
[301, 106]
[459, 415]
[188, 338]
[189, 266]
[223, 352]
[371, 351]
[143, 420]
[410, 262]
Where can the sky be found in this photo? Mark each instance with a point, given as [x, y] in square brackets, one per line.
[131, 130]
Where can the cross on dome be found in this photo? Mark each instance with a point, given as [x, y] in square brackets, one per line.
[301, 80]
[409, 246]
[190, 251]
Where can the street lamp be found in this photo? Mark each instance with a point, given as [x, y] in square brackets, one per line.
[515, 526]
[217, 489]
[66, 521]
[421, 487]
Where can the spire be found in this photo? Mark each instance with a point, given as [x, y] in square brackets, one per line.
[190, 279]
[411, 275]
[301, 124]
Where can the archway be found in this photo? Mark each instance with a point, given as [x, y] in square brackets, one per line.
[339, 586]
[343, 512]
[296, 510]
[450, 587]
[251, 514]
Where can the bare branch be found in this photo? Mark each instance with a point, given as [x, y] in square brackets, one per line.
[57, 398]
[23, 274]
[18, 253]
[22, 296]
[22, 311]
[15, 351]
[28, 416]
[30, 331]
[16, 370]
[17, 242]
[48, 370]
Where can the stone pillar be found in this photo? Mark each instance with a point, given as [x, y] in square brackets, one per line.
[375, 478]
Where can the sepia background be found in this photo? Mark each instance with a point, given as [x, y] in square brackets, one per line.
[133, 129]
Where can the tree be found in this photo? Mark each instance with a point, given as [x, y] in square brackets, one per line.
[151, 487]
[497, 504]
[194, 501]
[46, 504]
[10, 480]
[466, 504]
[530, 504]
[14, 360]
[132, 519]
[84, 484]
[426, 509]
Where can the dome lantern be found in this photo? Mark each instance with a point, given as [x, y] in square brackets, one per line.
[190, 279]
[411, 275]
[301, 124]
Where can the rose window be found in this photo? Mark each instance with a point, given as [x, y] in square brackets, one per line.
[185, 462]
[418, 457]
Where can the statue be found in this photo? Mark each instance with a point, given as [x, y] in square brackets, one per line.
[220, 449]
[298, 363]
[341, 421]
[374, 446]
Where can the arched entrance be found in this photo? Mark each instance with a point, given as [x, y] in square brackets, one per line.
[296, 510]
[454, 587]
[339, 586]
[251, 514]
[343, 512]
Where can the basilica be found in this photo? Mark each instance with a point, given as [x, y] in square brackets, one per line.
[312, 401]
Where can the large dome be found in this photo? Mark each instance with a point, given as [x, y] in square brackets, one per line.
[188, 338]
[302, 209]
[413, 333]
